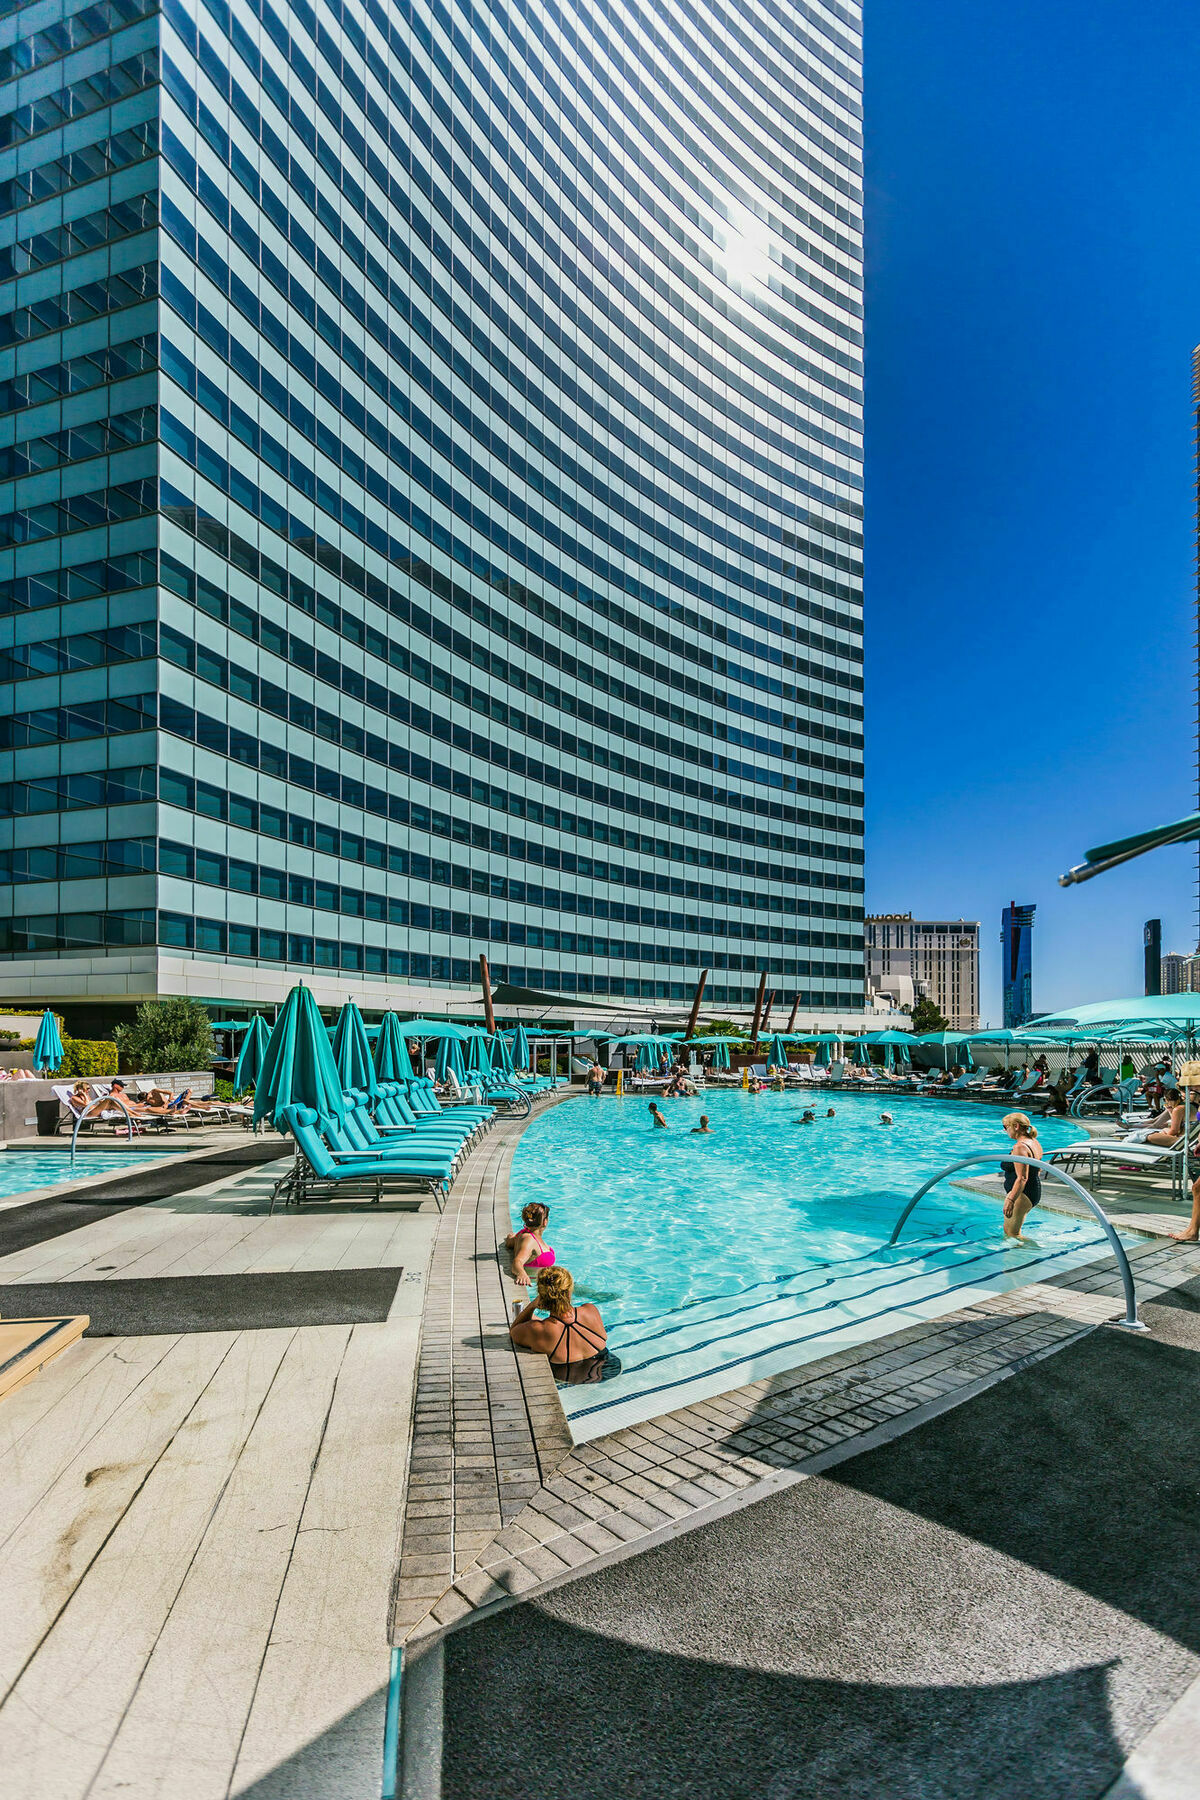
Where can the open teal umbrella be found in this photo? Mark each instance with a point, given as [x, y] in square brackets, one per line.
[450, 1060]
[297, 1066]
[520, 1048]
[352, 1051]
[501, 1054]
[392, 1061]
[249, 1063]
[47, 1049]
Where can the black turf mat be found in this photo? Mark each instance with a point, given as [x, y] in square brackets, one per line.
[187, 1303]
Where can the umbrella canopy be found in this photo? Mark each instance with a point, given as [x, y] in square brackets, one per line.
[232, 1024]
[479, 1060]
[434, 1028]
[47, 1049]
[392, 1061]
[352, 1051]
[778, 1055]
[450, 1060]
[501, 1054]
[1176, 1011]
[297, 1066]
[249, 1063]
[520, 1048]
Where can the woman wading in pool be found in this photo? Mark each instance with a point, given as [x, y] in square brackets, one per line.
[526, 1247]
[1022, 1185]
[573, 1337]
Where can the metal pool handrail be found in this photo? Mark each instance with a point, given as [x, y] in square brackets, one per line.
[1130, 1322]
[80, 1117]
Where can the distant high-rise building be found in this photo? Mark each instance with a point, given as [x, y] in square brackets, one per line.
[1180, 974]
[937, 959]
[1152, 939]
[1016, 946]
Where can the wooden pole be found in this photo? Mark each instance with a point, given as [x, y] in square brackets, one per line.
[768, 1003]
[694, 1015]
[791, 1024]
[762, 988]
[488, 1011]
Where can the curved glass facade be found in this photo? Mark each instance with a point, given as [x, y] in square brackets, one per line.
[432, 501]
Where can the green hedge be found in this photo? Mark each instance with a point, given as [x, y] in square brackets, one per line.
[87, 1057]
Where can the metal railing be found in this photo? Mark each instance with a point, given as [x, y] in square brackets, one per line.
[1130, 1322]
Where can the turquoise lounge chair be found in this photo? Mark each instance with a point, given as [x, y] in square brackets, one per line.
[318, 1174]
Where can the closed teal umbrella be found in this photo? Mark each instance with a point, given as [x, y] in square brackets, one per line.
[520, 1048]
[392, 1061]
[450, 1059]
[721, 1054]
[779, 1052]
[501, 1054]
[47, 1050]
[297, 1066]
[352, 1052]
[249, 1063]
[479, 1060]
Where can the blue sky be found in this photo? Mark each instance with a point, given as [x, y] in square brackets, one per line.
[1033, 298]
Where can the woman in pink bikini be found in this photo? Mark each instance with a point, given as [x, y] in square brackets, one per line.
[526, 1247]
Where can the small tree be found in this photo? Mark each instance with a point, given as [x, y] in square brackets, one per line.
[926, 1017]
[166, 1035]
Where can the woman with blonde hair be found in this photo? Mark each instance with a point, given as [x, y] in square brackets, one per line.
[572, 1334]
[1022, 1184]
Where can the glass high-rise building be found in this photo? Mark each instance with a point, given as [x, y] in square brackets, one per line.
[431, 510]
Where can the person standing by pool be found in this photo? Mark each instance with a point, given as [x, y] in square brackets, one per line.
[655, 1116]
[527, 1247]
[1023, 1185]
[595, 1080]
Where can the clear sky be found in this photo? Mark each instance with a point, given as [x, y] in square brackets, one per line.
[1033, 298]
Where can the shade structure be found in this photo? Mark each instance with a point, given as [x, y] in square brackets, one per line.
[450, 1060]
[47, 1047]
[501, 1054]
[520, 1048]
[392, 1061]
[478, 1059]
[435, 1028]
[254, 1048]
[352, 1051]
[230, 1024]
[1150, 1011]
[297, 1066]
[1122, 850]
[778, 1053]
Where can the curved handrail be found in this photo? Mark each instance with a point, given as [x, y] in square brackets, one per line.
[80, 1117]
[1130, 1322]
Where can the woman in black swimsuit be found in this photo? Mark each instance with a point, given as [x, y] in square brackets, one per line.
[1022, 1184]
[573, 1337]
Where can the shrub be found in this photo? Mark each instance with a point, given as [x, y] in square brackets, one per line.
[88, 1057]
[166, 1035]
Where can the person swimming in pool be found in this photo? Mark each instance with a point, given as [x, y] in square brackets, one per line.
[527, 1247]
[886, 1119]
[831, 1114]
[807, 1117]
[655, 1116]
[702, 1129]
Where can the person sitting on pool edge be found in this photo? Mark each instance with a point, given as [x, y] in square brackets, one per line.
[527, 1247]
[702, 1129]
[572, 1335]
[656, 1116]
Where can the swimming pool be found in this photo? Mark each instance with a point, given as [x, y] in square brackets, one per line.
[719, 1260]
[23, 1171]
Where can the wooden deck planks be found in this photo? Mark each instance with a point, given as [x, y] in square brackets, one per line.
[180, 1734]
[95, 1622]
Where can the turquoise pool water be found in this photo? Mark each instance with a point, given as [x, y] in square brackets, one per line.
[21, 1171]
[718, 1260]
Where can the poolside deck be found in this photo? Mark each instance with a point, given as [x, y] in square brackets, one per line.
[201, 1527]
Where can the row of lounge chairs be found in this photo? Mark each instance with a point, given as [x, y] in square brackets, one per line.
[406, 1141]
[177, 1114]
